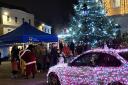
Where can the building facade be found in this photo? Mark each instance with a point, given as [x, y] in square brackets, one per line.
[45, 28]
[11, 18]
[116, 7]
[118, 10]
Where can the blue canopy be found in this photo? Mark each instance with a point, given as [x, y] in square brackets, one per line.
[27, 33]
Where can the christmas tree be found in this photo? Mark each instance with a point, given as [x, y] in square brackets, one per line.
[90, 23]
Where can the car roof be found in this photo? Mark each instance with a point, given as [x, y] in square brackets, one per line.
[107, 50]
[103, 50]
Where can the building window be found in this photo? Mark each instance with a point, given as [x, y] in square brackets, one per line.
[23, 20]
[8, 18]
[16, 19]
[116, 3]
[48, 31]
[45, 30]
[9, 30]
[29, 21]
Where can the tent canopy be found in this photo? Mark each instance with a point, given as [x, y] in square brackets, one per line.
[27, 33]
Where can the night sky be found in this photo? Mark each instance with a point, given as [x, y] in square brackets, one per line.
[52, 12]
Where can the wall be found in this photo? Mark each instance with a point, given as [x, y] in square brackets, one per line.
[12, 18]
[122, 21]
[119, 13]
[113, 9]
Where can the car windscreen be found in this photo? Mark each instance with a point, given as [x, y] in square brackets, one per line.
[124, 55]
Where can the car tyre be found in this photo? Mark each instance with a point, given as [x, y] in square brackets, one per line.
[53, 79]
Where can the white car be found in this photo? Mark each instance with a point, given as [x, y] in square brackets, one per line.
[94, 67]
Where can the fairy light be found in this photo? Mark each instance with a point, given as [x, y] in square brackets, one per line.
[73, 75]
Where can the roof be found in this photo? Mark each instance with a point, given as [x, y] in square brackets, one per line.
[27, 33]
[108, 50]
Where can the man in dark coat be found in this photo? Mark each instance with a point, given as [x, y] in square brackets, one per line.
[72, 47]
[53, 55]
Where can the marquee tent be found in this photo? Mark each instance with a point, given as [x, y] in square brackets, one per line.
[27, 33]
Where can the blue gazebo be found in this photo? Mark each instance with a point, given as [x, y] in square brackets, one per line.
[27, 33]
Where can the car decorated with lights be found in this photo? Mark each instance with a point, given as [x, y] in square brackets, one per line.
[93, 67]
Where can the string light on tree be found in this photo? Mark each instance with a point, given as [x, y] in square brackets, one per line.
[90, 21]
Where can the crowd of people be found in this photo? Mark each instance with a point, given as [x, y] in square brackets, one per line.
[28, 61]
[37, 58]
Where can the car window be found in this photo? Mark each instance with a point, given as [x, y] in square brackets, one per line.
[124, 55]
[86, 59]
[97, 59]
[107, 60]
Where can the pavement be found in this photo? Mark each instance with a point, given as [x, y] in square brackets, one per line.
[5, 77]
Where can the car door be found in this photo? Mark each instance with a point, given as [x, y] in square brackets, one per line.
[84, 68]
[107, 68]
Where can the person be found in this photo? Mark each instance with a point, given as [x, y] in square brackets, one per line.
[66, 52]
[79, 49]
[61, 45]
[53, 55]
[22, 63]
[60, 57]
[72, 47]
[45, 55]
[29, 57]
[15, 60]
[39, 59]
[0, 58]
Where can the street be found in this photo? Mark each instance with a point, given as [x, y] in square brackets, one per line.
[5, 77]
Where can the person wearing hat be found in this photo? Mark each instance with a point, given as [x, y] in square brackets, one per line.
[29, 57]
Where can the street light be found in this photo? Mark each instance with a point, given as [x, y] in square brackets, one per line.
[5, 13]
[41, 26]
[5, 16]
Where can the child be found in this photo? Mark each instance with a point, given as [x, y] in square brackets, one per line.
[14, 64]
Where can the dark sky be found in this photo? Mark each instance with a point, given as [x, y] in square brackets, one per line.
[52, 12]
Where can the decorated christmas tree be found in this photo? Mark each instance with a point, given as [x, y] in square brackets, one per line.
[90, 23]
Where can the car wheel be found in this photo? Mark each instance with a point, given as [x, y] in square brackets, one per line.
[115, 83]
[53, 79]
